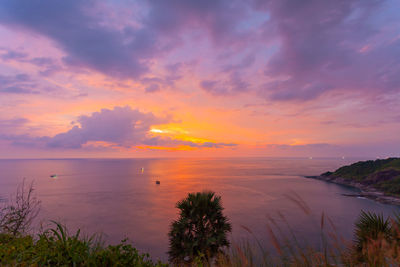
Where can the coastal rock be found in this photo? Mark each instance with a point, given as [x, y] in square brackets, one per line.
[378, 180]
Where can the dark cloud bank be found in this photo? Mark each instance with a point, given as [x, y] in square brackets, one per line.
[322, 45]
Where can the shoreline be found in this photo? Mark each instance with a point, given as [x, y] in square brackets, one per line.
[365, 190]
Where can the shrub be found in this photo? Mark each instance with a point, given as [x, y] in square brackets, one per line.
[56, 247]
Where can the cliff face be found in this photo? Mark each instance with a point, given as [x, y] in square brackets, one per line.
[382, 175]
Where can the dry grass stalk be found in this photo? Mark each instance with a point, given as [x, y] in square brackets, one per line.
[17, 214]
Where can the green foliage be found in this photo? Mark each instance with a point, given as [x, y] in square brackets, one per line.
[55, 247]
[371, 226]
[382, 174]
[391, 186]
[201, 230]
[327, 174]
[360, 170]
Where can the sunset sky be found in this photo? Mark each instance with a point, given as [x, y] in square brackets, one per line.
[183, 78]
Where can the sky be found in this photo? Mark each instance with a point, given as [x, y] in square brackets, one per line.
[189, 78]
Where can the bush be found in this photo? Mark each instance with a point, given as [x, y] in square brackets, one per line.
[55, 247]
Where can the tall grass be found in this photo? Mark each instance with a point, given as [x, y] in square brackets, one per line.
[376, 243]
[17, 214]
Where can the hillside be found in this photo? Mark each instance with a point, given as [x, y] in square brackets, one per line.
[382, 175]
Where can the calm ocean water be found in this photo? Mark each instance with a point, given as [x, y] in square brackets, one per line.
[117, 198]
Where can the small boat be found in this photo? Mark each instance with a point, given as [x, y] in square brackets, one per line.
[158, 182]
[53, 176]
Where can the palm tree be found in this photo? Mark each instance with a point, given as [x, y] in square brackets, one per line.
[201, 230]
[371, 226]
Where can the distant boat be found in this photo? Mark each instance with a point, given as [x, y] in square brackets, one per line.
[53, 176]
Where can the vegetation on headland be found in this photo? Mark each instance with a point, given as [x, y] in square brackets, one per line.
[376, 241]
[381, 174]
[363, 170]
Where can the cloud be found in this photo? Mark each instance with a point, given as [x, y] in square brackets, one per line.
[91, 36]
[9, 126]
[85, 39]
[308, 48]
[152, 88]
[245, 63]
[13, 55]
[216, 145]
[14, 130]
[312, 150]
[233, 85]
[17, 84]
[300, 147]
[330, 45]
[219, 18]
[379, 149]
[122, 126]
[170, 142]
[117, 127]
[48, 65]
[213, 87]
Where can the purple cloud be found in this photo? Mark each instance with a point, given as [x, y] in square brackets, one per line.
[381, 149]
[320, 46]
[220, 18]
[17, 84]
[13, 130]
[48, 65]
[330, 45]
[123, 50]
[122, 126]
[245, 63]
[215, 145]
[9, 126]
[17, 90]
[13, 55]
[82, 36]
[213, 87]
[233, 85]
[152, 88]
[169, 142]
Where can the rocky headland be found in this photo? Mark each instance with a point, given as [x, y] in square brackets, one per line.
[378, 180]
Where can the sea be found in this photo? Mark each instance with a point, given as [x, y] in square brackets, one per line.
[119, 198]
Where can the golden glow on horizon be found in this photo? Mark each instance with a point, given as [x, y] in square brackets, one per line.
[178, 134]
[157, 131]
[176, 148]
